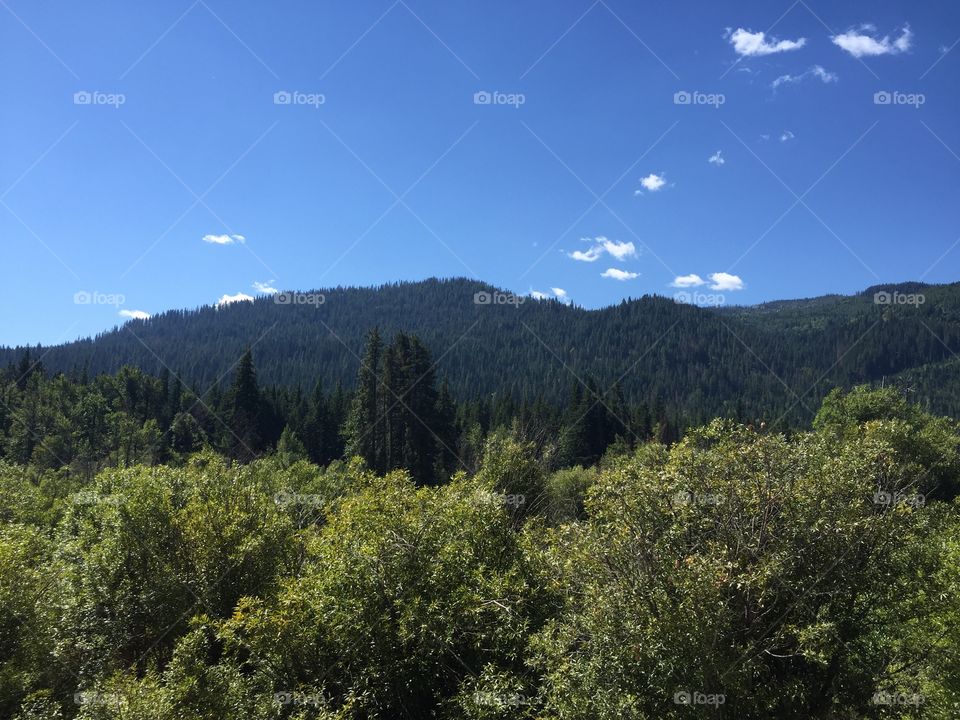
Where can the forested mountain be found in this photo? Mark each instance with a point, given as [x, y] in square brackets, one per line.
[766, 361]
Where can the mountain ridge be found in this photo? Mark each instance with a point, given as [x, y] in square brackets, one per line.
[774, 357]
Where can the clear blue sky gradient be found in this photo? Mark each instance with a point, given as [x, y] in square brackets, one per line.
[118, 199]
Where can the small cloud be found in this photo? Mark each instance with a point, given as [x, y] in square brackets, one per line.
[224, 239]
[859, 44]
[555, 293]
[135, 314]
[764, 137]
[787, 136]
[748, 44]
[653, 182]
[230, 299]
[588, 255]
[686, 281]
[618, 274]
[725, 281]
[817, 71]
[717, 158]
[265, 288]
[619, 250]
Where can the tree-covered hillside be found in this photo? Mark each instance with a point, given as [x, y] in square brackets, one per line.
[775, 360]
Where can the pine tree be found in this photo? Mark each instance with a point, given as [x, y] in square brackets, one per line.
[410, 395]
[447, 433]
[364, 428]
[244, 412]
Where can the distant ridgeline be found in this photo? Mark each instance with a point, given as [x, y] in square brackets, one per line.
[767, 361]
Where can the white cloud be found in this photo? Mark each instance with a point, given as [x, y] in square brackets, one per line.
[589, 255]
[717, 158]
[725, 281]
[224, 239]
[653, 182]
[601, 245]
[787, 135]
[265, 288]
[748, 44]
[618, 274]
[620, 250]
[817, 71]
[135, 314]
[230, 299]
[859, 44]
[555, 293]
[685, 281]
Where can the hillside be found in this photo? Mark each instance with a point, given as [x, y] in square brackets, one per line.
[763, 361]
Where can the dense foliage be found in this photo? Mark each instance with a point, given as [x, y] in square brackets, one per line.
[738, 573]
[399, 416]
[776, 360]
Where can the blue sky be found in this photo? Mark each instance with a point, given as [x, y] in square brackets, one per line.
[181, 177]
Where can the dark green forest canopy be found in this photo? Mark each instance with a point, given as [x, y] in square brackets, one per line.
[771, 361]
